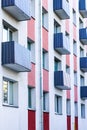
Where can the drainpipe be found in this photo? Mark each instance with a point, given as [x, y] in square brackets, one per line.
[41, 67]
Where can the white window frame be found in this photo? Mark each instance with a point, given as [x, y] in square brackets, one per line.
[76, 108]
[82, 110]
[58, 104]
[68, 107]
[45, 101]
[12, 94]
[31, 98]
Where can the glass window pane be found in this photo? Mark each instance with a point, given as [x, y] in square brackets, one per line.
[11, 93]
[5, 91]
[5, 34]
[29, 98]
[10, 35]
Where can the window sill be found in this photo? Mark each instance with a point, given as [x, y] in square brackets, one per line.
[45, 111]
[7, 105]
[58, 114]
[32, 109]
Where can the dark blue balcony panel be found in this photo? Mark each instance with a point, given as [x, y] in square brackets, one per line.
[61, 43]
[61, 80]
[83, 8]
[15, 57]
[61, 8]
[83, 35]
[83, 92]
[19, 9]
[83, 64]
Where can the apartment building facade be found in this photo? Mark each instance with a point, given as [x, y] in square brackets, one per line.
[43, 65]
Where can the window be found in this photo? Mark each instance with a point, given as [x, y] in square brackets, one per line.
[74, 47]
[57, 27]
[44, 18]
[45, 59]
[31, 98]
[80, 23]
[31, 48]
[75, 78]
[57, 65]
[76, 109]
[81, 52]
[81, 80]
[9, 32]
[82, 110]
[67, 69]
[58, 104]
[10, 92]
[45, 101]
[68, 107]
[74, 17]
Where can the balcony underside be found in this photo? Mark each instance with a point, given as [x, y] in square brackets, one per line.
[16, 13]
[62, 14]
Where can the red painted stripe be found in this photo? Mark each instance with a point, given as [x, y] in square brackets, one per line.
[67, 25]
[31, 76]
[68, 122]
[68, 94]
[68, 60]
[45, 80]
[31, 29]
[76, 123]
[74, 32]
[45, 38]
[46, 120]
[75, 62]
[75, 93]
[31, 120]
[45, 4]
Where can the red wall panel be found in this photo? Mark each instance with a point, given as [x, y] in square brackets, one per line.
[74, 32]
[76, 123]
[67, 25]
[31, 29]
[45, 4]
[75, 93]
[46, 120]
[68, 94]
[75, 62]
[31, 76]
[68, 122]
[68, 60]
[45, 38]
[31, 120]
[45, 80]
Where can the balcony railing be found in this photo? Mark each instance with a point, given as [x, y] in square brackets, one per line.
[83, 8]
[83, 64]
[61, 8]
[83, 35]
[62, 80]
[61, 43]
[83, 92]
[19, 9]
[15, 57]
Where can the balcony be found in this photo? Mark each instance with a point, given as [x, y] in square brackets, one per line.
[15, 57]
[83, 92]
[83, 8]
[83, 64]
[83, 35]
[61, 8]
[62, 80]
[61, 43]
[18, 9]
